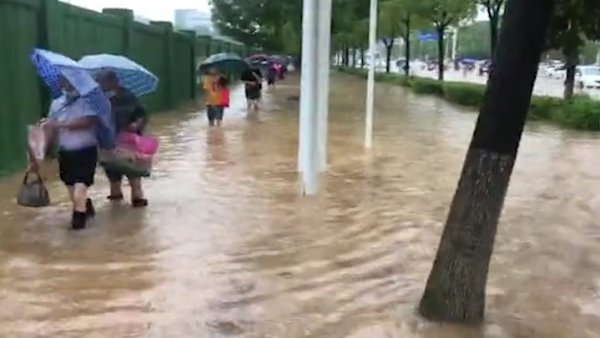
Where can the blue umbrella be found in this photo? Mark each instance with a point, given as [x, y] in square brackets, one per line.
[52, 66]
[137, 79]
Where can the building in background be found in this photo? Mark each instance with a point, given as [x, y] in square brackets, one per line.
[195, 20]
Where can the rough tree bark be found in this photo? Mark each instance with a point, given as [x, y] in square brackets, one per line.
[455, 290]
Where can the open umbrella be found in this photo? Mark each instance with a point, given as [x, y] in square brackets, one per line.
[137, 79]
[258, 57]
[52, 66]
[225, 62]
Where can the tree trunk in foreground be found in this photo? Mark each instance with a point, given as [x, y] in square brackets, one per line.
[455, 290]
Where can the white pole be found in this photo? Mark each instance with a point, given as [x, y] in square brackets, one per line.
[324, 59]
[454, 43]
[308, 114]
[371, 78]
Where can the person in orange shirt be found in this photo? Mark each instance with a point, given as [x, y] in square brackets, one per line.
[214, 84]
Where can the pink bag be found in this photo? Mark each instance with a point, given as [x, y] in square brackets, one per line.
[146, 145]
[132, 156]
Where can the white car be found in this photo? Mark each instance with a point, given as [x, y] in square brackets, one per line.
[587, 77]
[557, 72]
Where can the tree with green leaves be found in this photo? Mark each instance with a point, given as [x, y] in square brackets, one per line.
[573, 22]
[348, 28]
[263, 24]
[388, 29]
[360, 38]
[442, 14]
[395, 17]
[494, 10]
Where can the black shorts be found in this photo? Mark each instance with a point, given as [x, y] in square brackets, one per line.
[215, 113]
[253, 92]
[78, 166]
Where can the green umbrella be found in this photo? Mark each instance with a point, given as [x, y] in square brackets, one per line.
[224, 62]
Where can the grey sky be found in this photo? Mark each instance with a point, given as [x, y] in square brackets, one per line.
[154, 10]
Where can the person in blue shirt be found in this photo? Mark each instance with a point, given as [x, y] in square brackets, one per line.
[128, 114]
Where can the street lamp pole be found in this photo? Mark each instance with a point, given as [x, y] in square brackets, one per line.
[324, 59]
[371, 78]
[308, 133]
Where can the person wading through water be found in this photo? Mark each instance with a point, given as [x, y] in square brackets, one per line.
[252, 78]
[73, 121]
[128, 115]
[214, 84]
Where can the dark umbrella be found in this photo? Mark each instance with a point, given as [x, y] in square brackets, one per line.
[258, 57]
[224, 62]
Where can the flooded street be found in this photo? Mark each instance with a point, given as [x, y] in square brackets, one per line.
[227, 248]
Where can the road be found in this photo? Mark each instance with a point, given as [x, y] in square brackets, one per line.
[544, 86]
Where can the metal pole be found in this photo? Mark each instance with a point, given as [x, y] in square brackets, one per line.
[308, 114]
[371, 78]
[324, 59]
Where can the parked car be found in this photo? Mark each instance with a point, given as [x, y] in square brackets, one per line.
[557, 72]
[484, 67]
[587, 77]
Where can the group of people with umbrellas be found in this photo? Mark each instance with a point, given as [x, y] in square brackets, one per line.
[253, 70]
[94, 100]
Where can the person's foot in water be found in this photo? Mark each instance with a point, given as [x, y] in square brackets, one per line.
[139, 202]
[90, 211]
[78, 220]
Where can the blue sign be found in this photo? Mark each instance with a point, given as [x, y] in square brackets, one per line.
[425, 36]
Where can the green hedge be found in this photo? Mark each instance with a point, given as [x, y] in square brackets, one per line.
[581, 112]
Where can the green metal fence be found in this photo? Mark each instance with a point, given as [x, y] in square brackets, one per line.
[24, 24]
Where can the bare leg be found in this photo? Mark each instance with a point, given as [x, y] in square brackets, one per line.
[80, 197]
[137, 193]
[115, 189]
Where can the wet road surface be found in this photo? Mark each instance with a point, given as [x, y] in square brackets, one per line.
[227, 248]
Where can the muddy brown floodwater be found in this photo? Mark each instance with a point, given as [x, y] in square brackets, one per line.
[228, 248]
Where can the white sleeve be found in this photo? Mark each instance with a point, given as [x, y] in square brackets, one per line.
[54, 107]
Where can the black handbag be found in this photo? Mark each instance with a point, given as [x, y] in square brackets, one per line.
[33, 193]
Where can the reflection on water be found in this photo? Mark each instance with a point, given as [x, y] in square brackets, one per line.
[227, 248]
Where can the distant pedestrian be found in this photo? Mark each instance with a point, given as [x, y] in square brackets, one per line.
[253, 87]
[215, 86]
[272, 74]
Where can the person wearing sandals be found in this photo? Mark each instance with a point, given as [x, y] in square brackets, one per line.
[128, 114]
[72, 121]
